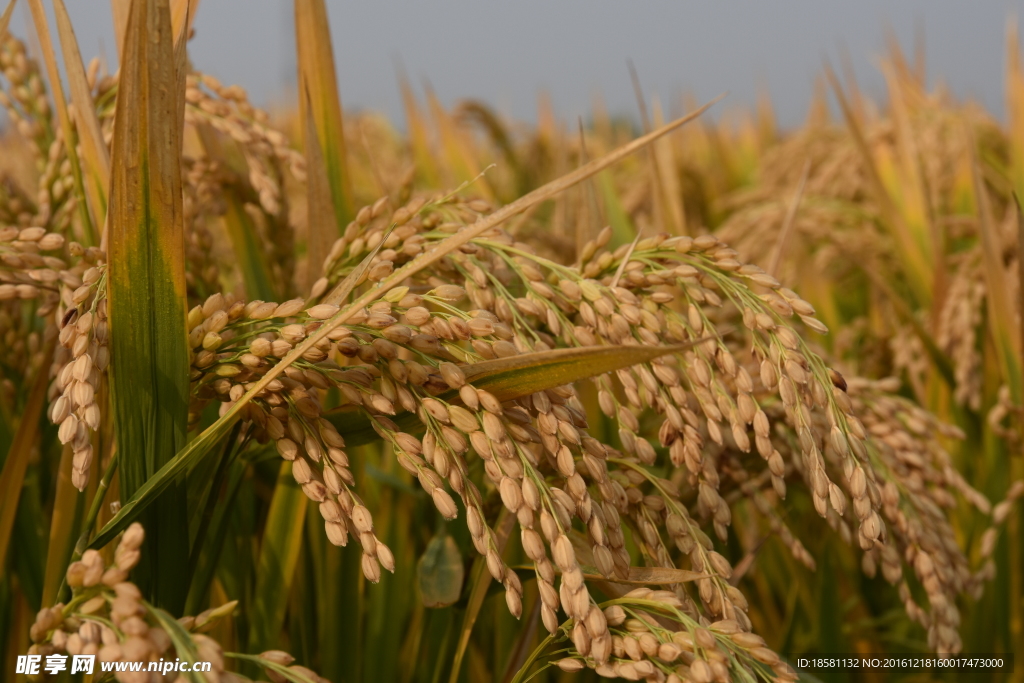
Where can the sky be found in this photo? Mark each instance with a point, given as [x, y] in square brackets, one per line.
[504, 53]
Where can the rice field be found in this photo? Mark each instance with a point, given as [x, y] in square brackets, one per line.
[312, 395]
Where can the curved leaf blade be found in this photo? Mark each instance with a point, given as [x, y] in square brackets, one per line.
[517, 376]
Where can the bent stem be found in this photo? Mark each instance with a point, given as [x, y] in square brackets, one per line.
[90, 521]
[561, 634]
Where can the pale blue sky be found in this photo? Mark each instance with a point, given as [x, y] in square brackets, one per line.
[504, 52]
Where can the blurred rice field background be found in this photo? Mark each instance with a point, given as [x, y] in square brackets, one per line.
[895, 218]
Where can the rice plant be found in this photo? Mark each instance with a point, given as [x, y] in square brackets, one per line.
[310, 400]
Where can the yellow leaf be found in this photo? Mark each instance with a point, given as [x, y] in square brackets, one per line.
[119, 13]
[418, 140]
[317, 77]
[5, 19]
[517, 376]
[94, 149]
[183, 13]
[916, 262]
[322, 220]
[1001, 313]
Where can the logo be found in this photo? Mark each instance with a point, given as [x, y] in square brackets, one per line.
[54, 664]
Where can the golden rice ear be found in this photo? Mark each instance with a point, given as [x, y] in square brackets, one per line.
[92, 190]
[219, 428]
[903, 241]
[515, 377]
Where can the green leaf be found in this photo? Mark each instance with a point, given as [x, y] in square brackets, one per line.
[167, 475]
[215, 538]
[480, 581]
[623, 231]
[12, 477]
[146, 290]
[279, 554]
[283, 671]
[248, 250]
[440, 572]
[29, 539]
[184, 646]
